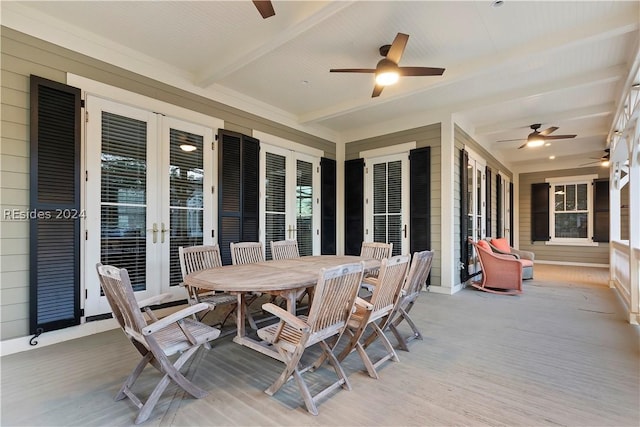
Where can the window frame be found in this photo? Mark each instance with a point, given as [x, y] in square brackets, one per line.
[571, 180]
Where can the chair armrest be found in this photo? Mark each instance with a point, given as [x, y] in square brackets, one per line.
[364, 304]
[523, 254]
[174, 317]
[154, 300]
[286, 317]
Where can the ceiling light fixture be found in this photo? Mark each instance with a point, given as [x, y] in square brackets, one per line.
[188, 147]
[535, 141]
[386, 72]
[552, 157]
[604, 163]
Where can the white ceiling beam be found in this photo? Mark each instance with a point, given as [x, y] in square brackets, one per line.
[222, 67]
[610, 27]
[574, 114]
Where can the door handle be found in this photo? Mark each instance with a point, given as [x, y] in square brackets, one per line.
[154, 230]
[404, 230]
[164, 230]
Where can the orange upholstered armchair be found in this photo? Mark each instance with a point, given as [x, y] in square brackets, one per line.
[501, 274]
[501, 246]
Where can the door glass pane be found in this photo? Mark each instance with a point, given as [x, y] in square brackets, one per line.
[304, 207]
[387, 204]
[186, 173]
[275, 184]
[123, 195]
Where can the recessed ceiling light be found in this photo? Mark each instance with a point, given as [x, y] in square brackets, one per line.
[552, 157]
[547, 144]
[497, 3]
[305, 82]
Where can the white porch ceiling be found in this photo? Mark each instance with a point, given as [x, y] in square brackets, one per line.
[558, 63]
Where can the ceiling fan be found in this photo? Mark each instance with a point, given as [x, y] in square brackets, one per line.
[265, 8]
[538, 138]
[387, 71]
[602, 161]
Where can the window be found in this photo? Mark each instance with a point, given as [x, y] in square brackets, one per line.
[570, 210]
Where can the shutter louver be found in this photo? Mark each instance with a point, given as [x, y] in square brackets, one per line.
[54, 293]
[328, 206]
[420, 199]
[465, 247]
[354, 206]
[601, 210]
[488, 231]
[540, 212]
[499, 219]
[238, 161]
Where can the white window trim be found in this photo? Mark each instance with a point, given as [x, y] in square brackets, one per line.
[569, 180]
[388, 151]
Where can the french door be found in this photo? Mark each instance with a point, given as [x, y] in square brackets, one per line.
[387, 201]
[476, 202]
[146, 195]
[290, 202]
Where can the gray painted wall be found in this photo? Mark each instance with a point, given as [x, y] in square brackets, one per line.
[23, 55]
[574, 254]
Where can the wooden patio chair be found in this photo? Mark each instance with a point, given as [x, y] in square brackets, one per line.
[288, 249]
[375, 250]
[156, 339]
[376, 312]
[331, 308]
[501, 274]
[284, 249]
[197, 258]
[248, 253]
[415, 281]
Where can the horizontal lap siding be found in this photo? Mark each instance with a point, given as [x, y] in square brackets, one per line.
[23, 55]
[425, 136]
[571, 254]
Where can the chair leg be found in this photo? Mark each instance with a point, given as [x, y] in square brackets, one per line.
[291, 363]
[342, 377]
[391, 353]
[171, 372]
[306, 394]
[128, 383]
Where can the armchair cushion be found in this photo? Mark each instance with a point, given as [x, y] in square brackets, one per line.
[501, 244]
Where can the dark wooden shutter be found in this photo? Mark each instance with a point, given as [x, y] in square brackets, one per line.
[488, 200]
[511, 228]
[465, 247]
[540, 212]
[327, 206]
[601, 210]
[54, 294]
[238, 161]
[353, 206]
[499, 206]
[420, 199]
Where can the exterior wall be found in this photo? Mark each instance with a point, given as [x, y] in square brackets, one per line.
[426, 136]
[23, 55]
[462, 140]
[557, 253]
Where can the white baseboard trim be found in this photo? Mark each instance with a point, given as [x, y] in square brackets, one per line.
[577, 264]
[17, 345]
[446, 290]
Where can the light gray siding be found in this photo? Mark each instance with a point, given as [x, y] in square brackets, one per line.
[574, 254]
[24, 55]
[425, 136]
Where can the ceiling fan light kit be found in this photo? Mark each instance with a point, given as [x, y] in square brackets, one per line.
[387, 72]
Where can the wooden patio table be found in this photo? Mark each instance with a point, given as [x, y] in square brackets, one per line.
[280, 277]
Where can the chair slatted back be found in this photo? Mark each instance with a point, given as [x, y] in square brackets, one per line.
[393, 272]
[246, 253]
[284, 249]
[197, 258]
[419, 272]
[116, 286]
[334, 296]
[376, 250]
